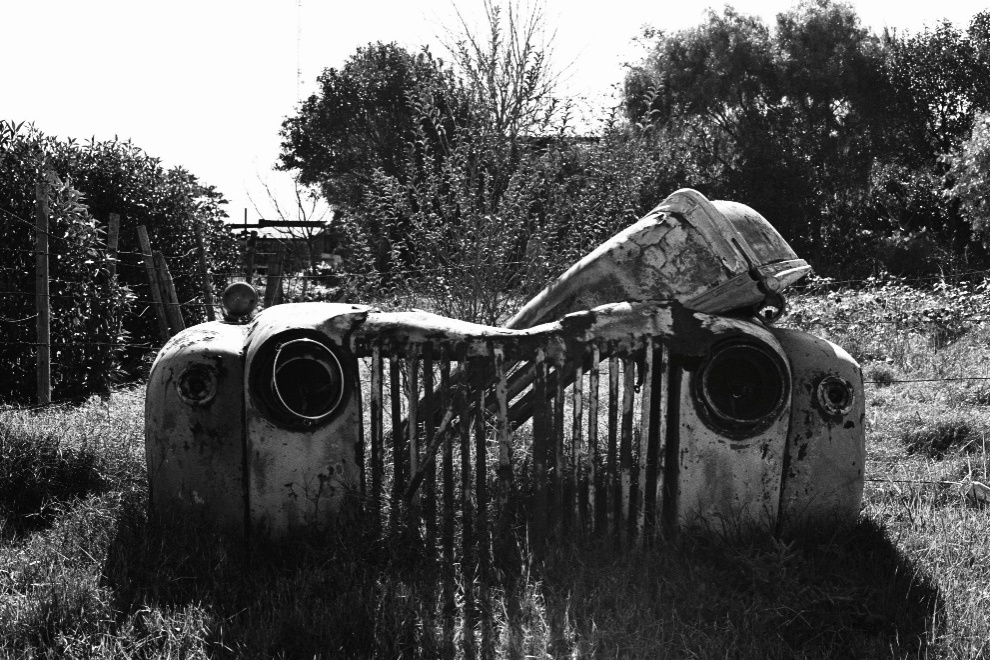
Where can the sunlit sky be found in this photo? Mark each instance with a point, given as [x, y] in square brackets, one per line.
[205, 84]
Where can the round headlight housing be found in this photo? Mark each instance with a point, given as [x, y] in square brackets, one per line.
[742, 386]
[301, 381]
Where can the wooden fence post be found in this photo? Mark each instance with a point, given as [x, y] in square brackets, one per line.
[156, 295]
[169, 297]
[42, 296]
[273, 283]
[211, 312]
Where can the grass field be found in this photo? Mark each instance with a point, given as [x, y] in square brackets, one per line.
[85, 573]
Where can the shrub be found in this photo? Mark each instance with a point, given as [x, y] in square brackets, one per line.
[94, 318]
[86, 306]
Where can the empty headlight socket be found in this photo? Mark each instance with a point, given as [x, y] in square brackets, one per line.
[300, 380]
[740, 387]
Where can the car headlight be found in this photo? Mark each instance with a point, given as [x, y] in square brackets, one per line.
[300, 380]
[742, 386]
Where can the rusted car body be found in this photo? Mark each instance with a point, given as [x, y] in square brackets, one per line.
[645, 389]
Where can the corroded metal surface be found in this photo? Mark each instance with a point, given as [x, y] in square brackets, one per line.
[826, 442]
[725, 483]
[193, 439]
[710, 256]
[297, 477]
[624, 324]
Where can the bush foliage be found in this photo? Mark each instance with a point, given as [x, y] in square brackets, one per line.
[99, 324]
[859, 148]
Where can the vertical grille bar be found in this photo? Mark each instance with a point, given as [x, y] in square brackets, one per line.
[541, 435]
[483, 543]
[625, 442]
[671, 464]
[395, 390]
[612, 481]
[481, 468]
[559, 458]
[429, 496]
[592, 454]
[577, 451]
[502, 430]
[645, 437]
[447, 515]
[361, 448]
[412, 400]
[467, 521]
[377, 434]
[447, 522]
[657, 429]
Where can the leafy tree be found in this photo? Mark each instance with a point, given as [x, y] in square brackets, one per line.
[465, 200]
[361, 120]
[365, 122]
[506, 70]
[836, 135]
[940, 79]
[970, 171]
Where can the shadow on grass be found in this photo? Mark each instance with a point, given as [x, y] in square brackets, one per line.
[345, 595]
[351, 594]
[852, 595]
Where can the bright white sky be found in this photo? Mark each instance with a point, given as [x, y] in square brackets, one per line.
[205, 84]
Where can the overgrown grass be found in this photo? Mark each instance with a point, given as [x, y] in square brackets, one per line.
[84, 572]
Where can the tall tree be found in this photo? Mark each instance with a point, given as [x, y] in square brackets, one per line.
[506, 69]
[941, 79]
[788, 114]
[361, 120]
[970, 173]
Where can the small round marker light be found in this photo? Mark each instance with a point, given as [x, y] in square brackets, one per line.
[836, 395]
[238, 300]
[197, 385]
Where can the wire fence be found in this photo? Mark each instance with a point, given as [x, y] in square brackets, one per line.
[295, 286]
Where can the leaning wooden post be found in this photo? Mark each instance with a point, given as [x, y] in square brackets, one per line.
[113, 238]
[273, 283]
[211, 312]
[169, 297]
[42, 296]
[156, 296]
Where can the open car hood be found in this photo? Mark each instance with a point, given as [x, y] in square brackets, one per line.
[712, 257]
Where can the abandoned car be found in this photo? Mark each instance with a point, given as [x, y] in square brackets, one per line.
[645, 389]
